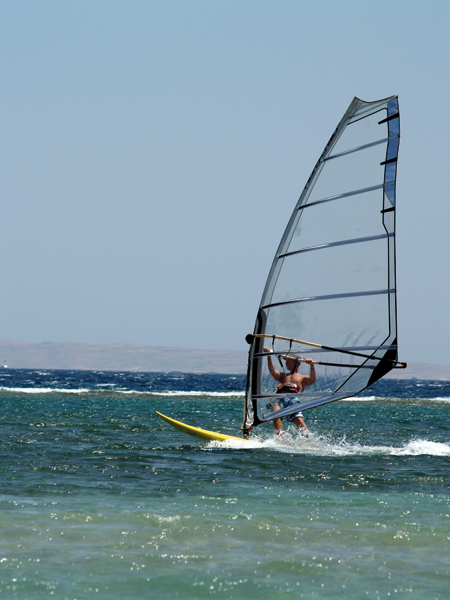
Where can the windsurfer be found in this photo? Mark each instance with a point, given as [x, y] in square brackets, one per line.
[291, 382]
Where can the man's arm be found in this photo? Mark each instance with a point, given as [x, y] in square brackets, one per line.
[275, 374]
[311, 378]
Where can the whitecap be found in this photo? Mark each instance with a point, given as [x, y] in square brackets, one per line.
[44, 390]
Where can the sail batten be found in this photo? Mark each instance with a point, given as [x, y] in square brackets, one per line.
[363, 147]
[333, 275]
[330, 297]
[342, 243]
[347, 194]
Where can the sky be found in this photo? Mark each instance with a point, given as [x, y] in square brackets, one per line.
[153, 151]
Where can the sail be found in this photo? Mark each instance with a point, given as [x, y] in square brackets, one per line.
[331, 290]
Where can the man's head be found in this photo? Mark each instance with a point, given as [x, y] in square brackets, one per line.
[292, 361]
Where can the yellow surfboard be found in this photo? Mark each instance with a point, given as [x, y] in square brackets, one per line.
[201, 434]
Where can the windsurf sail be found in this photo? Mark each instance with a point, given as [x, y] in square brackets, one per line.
[331, 290]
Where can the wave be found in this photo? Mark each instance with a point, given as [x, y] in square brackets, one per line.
[361, 399]
[201, 393]
[393, 399]
[20, 390]
[115, 391]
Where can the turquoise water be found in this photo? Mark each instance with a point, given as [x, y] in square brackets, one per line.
[101, 499]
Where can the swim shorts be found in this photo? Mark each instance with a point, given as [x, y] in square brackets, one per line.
[285, 402]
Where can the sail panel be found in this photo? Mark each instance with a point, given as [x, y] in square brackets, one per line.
[365, 220]
[332, 282]
[349, 172]
[353, 267]
[362, 132]
[337, 323]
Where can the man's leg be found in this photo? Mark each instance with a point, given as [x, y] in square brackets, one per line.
[300, 422]
[277, 423]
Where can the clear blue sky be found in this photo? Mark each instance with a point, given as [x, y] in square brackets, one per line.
[151, 153]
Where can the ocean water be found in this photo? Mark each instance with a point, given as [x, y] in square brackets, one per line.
[99, 498]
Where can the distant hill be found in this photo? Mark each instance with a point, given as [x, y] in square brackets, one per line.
[132, 357]
[421, 371]
[120, 357]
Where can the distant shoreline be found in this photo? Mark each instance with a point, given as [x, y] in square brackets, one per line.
[134, 357]
[120, 357]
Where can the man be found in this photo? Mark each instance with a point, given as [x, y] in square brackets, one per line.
[292, 382]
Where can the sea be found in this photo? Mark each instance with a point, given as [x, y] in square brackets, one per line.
[101, 499]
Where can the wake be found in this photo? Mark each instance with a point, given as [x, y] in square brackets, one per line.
[318, 445]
